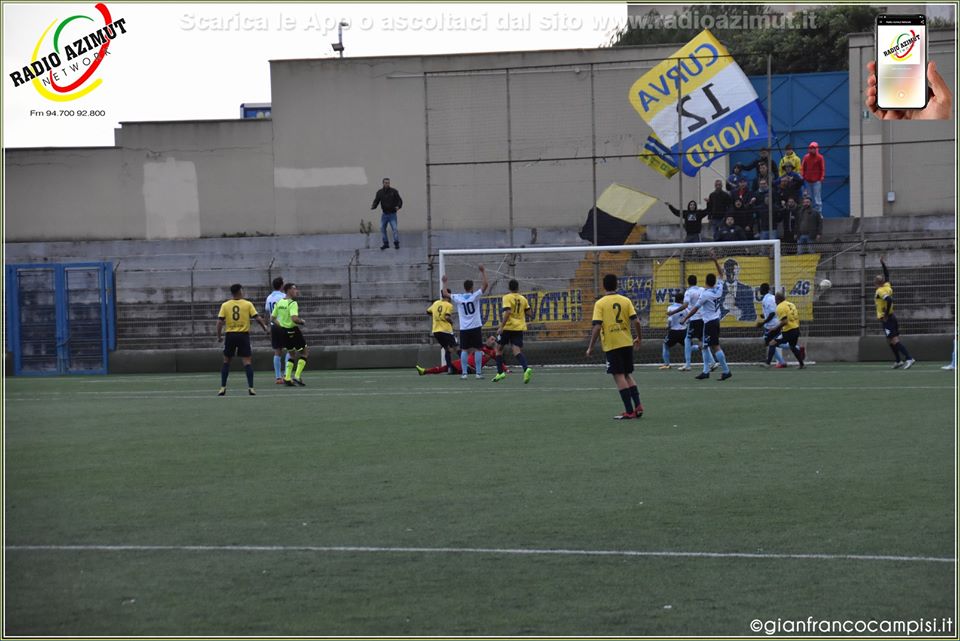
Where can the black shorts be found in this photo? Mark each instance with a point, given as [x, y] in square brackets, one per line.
[792, 337]
[471, 338]
[890, 326]
[767, 336]
[674, 337]
[620, 360]
[276, 336]
[711, 332]
[511, 337]
[695, 330]
[237, 344]
[293, 340]
[446, 340]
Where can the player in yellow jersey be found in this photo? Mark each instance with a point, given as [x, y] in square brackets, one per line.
[441, 313]
[516, 313]
[787, 330]
[891, 329]
[612, 316]
[287, 315]
[235, 314]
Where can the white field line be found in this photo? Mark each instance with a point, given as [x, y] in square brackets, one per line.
[239, 392]
[487, 551]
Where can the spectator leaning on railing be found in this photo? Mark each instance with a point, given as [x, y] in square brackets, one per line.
[692, 220]
[730, 231]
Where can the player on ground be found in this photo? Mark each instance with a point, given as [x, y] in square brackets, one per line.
[441, 313]
[612, 317]
[287, 315]
[695, 326]
[789, 325]
[710, 301]
[516, 313]
[276, 332]
[468, 309]
[676, 330]
[884, 301]
[768, 306]
[489, 353]
[236, 313]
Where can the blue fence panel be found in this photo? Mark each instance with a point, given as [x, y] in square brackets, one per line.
[61, 318]
[811, 107]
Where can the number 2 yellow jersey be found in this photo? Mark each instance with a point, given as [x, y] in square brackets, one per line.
[440, 313]
[236, 313]
[613, 312]
[518, 307]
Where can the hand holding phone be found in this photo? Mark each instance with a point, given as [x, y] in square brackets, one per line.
[939, 106]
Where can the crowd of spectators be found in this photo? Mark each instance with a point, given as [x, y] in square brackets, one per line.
[738, 208]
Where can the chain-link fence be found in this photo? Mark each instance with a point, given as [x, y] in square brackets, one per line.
[355, 304]
[362, 304]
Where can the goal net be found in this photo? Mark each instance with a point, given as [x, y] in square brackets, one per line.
[562, 284]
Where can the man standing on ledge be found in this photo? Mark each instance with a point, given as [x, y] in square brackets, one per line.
[390, 202]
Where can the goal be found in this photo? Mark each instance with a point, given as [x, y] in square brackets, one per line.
[562, 284]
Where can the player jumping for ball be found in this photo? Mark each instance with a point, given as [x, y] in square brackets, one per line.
[884, 301]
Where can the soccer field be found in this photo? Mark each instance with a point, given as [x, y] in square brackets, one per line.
[380, 502]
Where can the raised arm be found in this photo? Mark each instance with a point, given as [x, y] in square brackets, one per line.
[886, 272]
[676, 212]
[485, 284]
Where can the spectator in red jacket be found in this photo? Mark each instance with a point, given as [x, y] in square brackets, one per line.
[813, 169]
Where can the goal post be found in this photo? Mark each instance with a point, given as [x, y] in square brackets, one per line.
[562, 284]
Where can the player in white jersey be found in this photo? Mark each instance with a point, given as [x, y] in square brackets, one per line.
[276, 333]
[769, 320]
[709, 303]
[695, 326]
[676, 329]
[468, 310]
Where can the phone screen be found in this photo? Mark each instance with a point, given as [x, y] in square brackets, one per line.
[901, 62]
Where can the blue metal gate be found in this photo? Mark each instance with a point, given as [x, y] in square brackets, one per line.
[60, 318]
[811, 107]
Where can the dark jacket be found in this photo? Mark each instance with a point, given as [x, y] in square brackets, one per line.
[718, 204]
[733, 232]
[691, 218]
[389, 200]
[809, 221]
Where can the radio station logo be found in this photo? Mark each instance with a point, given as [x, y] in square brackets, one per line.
[73, 53]
[901, 47]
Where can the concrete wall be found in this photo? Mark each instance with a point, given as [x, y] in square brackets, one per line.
[920, 170]
[163, 180]
[340, 125]
[79, 193]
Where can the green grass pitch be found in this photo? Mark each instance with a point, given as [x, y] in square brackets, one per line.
[839, 460]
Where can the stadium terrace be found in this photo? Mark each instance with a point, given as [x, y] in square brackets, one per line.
[77, 48]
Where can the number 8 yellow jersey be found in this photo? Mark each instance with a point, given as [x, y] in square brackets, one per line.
[236, 313]
[613, 313]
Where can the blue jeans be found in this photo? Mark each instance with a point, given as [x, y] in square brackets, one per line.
[803, 242]
[815, 192]
[389, 219]
[768, 235]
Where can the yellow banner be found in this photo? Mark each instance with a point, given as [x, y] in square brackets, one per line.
[690, 67]
[564, 306]
[741, 278]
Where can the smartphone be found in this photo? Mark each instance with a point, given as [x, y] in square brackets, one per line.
[902, 61]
